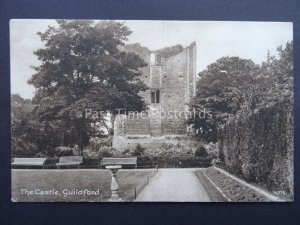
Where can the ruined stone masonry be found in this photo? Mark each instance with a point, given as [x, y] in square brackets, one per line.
[171, 78]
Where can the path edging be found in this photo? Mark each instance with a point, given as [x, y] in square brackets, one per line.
[216, 186]
[264, 193]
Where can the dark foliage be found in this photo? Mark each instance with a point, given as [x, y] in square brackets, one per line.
[26, 131]
[176, 162]
[105, 154]
[232, 86]
[201, 152]
[138, 150]
[259, 148]
[63, 151]
[82, 67]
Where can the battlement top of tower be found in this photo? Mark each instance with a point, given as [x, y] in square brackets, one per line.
[165, 52]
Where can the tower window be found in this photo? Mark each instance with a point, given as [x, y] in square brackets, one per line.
[152, 96]
[155, 96]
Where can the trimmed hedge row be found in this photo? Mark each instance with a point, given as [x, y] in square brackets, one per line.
[174, 162]
[259, 147]
[146, 162]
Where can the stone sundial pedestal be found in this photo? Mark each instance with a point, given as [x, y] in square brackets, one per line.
[114, 185]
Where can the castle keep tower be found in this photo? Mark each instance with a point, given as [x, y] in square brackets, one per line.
[171, 78]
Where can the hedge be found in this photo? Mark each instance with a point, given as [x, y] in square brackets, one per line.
[259, 147]
[174, 162]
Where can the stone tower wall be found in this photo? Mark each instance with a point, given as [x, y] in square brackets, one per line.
[175, 78]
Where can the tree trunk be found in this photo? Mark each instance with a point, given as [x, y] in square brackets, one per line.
[112, 120]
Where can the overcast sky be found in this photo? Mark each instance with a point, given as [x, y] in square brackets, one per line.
[249, 40]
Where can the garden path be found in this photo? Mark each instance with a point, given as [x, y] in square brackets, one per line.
[174, 185]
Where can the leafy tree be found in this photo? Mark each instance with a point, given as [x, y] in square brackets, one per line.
[278, 73]
[82, 67]
[222, 89]
[232, 86]
[25, 129]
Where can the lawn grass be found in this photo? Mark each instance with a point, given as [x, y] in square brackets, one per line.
[91, 180]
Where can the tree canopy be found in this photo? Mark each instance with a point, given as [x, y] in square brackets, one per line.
[231, 86]
[25, 129]
[82, 67]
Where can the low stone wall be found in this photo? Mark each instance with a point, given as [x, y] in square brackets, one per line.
[149, 142]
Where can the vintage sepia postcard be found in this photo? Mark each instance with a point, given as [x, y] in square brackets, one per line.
[151, 111]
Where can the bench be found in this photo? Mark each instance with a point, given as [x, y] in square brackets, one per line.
[69, 161]
[119, 161]
[28, 162]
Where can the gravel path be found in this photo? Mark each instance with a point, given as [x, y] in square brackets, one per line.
[174, 185]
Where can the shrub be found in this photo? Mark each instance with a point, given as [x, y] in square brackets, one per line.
[98, 147]
[126, 152]
[88, 153]
[21, 148]
[76, 150]
[201, 152]
[105, 152]
[42, 154]
[174, 162]
[139, 150]
[212, 149]
[96, 143]
[63, 151]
